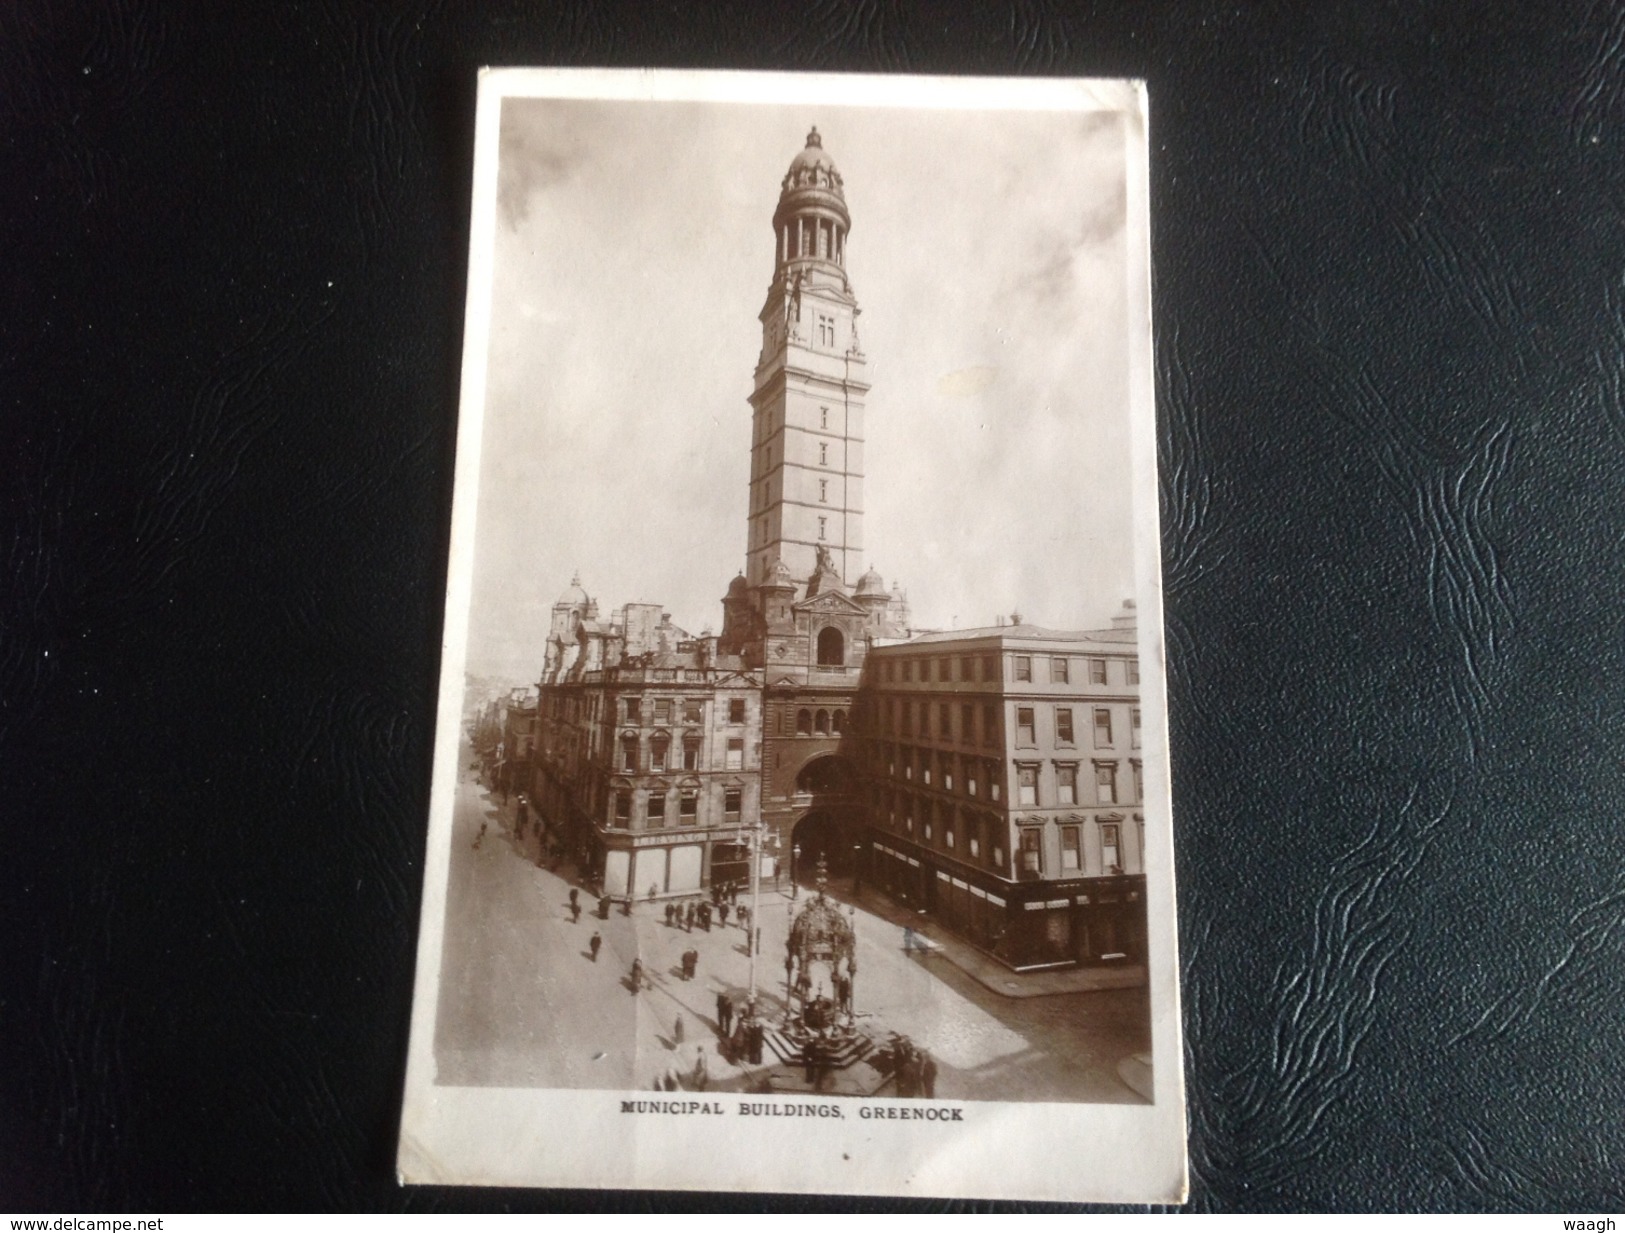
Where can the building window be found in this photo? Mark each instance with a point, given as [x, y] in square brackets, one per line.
[1106, 783]
[1032, 852]
[691, 755]
[688, 808]
[1066, 784]
[967, 669]
[993, 780]
[947, 772]
[1097, 672]
[1022, 667]
[730, 804]
[691, 712]
[945, 669]
[823, 417]
[736, 710]
[1026, 785]
[1063, 726]
[662, 710]
[823, 527]
[1134, 728]
[1110, 861]
[990, 667]
[821, 723]
[634, 710]
[657, 809]
[1139, 781]
[629, 753]
[970, 776]
[908, 717]
[837, 722]
[967, 723]
[908, 669]
[925, 767]
[908, 762]
[823, 453]
[1071, 849]
[1058, 671]
[736, 754]
[1133, 670]
[823, 491]
[1103, 728]
[658, 748]
[826, 325]
[948, 831]
[926, 813]
[1026, 733]
[945, 721]
[996, 856]
[623, 808]
[990, 725]
[803, 722]
[831, 648]
[891, 670]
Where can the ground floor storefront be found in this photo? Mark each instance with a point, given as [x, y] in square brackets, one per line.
[1034, 924]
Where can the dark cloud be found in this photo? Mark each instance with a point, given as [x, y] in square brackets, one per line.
[538, 148]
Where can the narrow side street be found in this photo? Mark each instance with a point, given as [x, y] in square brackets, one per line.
[523, 1004]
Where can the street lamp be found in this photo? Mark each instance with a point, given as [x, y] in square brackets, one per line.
[795, 864]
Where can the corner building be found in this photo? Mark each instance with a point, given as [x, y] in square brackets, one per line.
[647, 762]
[1005, 788]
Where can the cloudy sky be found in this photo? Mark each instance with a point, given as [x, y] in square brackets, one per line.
[634, 248]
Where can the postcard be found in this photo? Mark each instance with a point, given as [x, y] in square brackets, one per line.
[801, 814]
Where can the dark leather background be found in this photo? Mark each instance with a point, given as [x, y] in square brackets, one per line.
[1390, 298]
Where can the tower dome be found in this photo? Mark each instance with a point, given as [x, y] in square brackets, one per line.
[871, 584]
[811, 221]
[573, 594]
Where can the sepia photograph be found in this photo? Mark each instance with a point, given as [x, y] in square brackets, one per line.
[801, 764]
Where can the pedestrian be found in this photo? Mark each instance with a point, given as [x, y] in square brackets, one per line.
[677, 1031]
[575, 912]
[594, 945]
[688, 917]
[754, 1039]
[702, 1076]
[705, 917]
[653, 892]
[725, 1013]
[928, 1074]
[522, 817]
[668, 914]
[775, 873]
[575, 896]
[908, 938]
[722, 911]
[603, 908]
[637, 976]
[691, 963]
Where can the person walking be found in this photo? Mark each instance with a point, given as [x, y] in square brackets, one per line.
[637, 976]
[677, 1031]
[654, 892]
[575, 912]
[575, 897]
[725, 1014]
[705, 917]
[722, 911]
[594, 945]
[928, 1074]
[688, 917]
[702, 1076]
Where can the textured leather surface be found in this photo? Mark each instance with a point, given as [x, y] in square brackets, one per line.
[1390, 290]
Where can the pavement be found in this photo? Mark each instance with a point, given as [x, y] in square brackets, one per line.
[523, 1004]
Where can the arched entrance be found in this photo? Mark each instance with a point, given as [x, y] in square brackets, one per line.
[820, 834]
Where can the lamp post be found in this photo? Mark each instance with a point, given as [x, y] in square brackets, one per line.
[795, 864]
[755, 906]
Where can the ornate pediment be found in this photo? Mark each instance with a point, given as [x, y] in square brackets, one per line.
[830, 603]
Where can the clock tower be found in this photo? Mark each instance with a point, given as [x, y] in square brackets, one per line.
[806, 474]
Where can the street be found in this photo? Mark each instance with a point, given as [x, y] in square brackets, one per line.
[523, 1004]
